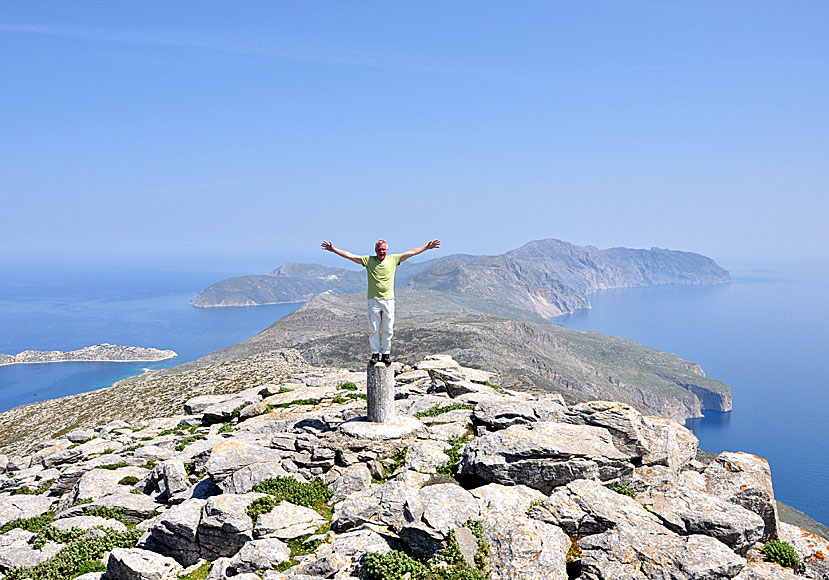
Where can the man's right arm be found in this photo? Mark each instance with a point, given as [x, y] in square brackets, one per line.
[329, 247]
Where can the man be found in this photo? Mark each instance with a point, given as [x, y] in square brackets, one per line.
[380, 269]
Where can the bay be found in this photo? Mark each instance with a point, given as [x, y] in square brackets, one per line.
[62, 308]
[766, 334]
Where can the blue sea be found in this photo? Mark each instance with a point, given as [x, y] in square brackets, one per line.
[765, 334]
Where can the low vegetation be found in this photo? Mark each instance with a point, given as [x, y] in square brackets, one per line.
[781, 553]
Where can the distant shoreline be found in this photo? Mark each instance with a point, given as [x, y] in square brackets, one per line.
[43, 362]
[104, 352]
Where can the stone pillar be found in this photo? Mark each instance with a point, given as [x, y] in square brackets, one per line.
[380, 386]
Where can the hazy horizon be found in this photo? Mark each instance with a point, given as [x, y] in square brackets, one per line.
[210, 132]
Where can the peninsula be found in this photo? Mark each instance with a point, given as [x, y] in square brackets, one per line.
[98, 353]
[547, 277]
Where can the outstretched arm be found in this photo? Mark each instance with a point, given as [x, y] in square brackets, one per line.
[328, 246]
[415, 251]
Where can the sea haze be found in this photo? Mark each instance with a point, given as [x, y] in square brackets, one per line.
[62, 309]
[765, 334]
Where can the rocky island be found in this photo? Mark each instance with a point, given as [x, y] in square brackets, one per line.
[100, 353]
[250, 473]
[545, 277]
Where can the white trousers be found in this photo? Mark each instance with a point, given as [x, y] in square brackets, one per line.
[380, 325]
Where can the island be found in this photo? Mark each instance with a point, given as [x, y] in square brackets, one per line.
[97, 353]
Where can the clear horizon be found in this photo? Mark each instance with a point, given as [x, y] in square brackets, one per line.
[208, 132]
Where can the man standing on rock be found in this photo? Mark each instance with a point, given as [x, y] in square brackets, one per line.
[380, 269]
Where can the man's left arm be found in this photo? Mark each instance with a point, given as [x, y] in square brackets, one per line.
[415, 251]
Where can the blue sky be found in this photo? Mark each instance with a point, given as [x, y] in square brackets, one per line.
[252, 131]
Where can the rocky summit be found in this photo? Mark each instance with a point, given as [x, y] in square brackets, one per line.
[268, 483]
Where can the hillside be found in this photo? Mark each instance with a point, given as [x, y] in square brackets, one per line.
[545, 277]
[528, 353]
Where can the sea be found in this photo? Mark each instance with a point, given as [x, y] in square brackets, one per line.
[765, 334]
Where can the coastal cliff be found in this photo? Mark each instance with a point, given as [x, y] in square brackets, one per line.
[100, 352]
[249, 470]
[544, 277]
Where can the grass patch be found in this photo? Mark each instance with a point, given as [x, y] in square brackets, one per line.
[438, 410]
[347, 386]
[128, 480]
[624, 490]
[270, 407]
[226, 428]
[103, 511]
[199, 573]
[238, 411]
[25, 490]
[450, 469]
[488, 384]
[147, 438]
[113, 466]
[188, 440]
[397, 460]
[356, 396]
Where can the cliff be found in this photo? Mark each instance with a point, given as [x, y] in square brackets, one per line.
[99, 352]
[544, 277]
[267, 481]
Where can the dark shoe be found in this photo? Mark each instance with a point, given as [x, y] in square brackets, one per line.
[385, 358]
[375, 358]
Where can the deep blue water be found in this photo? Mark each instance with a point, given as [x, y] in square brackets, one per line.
[765, 334]
[66, 309]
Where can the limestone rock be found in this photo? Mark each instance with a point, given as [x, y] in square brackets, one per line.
[231, 455]
[225, 525]
[97, 482]
[545, 456]
[426, 456]
[379, 504]
[16, 507]
[585, 507]
[622, 421]
[520, 547]
[138, 564]
[668, 443]
[342, 557]
[766, 571]
[494, 414]
[813, 550]
[23, 555]
[175, 531]
[171, 478]
[353, 478]
[745, 479]
[262, 554]
[287, 521]
[435, 511]
[687, 511]
[243, 480]
[495, 498]
[648, 554]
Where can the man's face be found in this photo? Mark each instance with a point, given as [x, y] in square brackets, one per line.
[380, 250]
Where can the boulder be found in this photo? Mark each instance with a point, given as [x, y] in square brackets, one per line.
[687, 511]
[650, 554]
[432, 513]
[63, 457]
[379, 504]
[225, 525]
[243, 480]
[545, 456]
[287, 521]
[520, 547]
[97, 482]
[175, 532]
[767, 571]
[264, 554]
[23, 555]
[745, 480]
[426, 456]
[495, 498]
[669, 443]
[353, 478]
[231, 455]
[494, 414]
[15, 507]
[585, 507]
[171, 479]
[138, 564]
[343, 556]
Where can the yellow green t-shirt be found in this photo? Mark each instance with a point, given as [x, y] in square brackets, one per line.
[381, 275]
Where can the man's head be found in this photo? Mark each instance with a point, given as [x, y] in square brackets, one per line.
[380, 249]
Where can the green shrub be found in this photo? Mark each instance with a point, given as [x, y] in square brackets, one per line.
[397, 460]
[226, 428]
[781, 553]
[438, 410]
[450, 469]
[199, 573]
[79, 557]
[314, 494]
[238, 411]
[113, 466]
[24, 490]
[347, 386]
[30, 524]
[356, 396]
[338, 400]
[128, 480]
[394, 565]
[624, 490]
[103, 511]
[148, 438]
